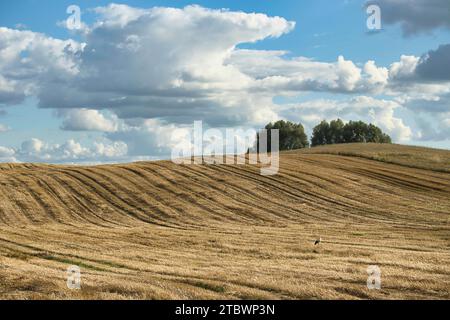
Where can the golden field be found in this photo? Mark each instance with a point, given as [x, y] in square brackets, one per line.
[157, 230]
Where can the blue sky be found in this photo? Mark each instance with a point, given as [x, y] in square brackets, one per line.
[324, 31]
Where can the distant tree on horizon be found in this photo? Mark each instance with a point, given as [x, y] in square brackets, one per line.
[353, 131]
[292, 135]
[328, 133]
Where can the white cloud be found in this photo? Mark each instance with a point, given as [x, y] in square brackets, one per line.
[348, 74]
[29, 61]
[35, 150]
[403, 69]
[6, 152]
[87, 120]
[114, 150]
[150, 137]
[168, 64]
[377, 111]
[32, 146]
[275, 74]
[376, 76]
[141, 73]
[433, 128]
[391, 124]
[433, 66]
[118, 15]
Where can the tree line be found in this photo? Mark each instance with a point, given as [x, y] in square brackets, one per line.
[293, 136]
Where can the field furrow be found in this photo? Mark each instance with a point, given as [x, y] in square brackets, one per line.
[157, 230]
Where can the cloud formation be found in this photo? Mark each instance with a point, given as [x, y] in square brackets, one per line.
[274, 73]
[377, 111]
[415, 16]
[435, 65]
[139, 74]
[36, 150]
[87, 120]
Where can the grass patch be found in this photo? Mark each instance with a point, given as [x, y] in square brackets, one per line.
[206, 286]
[78, 263]
[212, 287]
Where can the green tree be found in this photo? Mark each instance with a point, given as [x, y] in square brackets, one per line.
[292, 135]
[376, 135]
[320, 134]
[354, 131]
[328, 133]
[335, 134]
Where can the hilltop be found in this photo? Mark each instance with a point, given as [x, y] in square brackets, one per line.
[160, 230]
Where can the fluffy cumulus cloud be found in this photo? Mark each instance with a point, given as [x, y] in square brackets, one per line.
[36, 150]
[415, 16]
[168, 64]
[150, 136]
[29, 60]
[379, 112]
[433, 66]
[404, 69]
[178, 64]
[273, 73]
[87, 120]
[137, 75]
[421, 85]
[7, 154]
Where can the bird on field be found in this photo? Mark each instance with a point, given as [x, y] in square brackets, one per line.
[318, 241]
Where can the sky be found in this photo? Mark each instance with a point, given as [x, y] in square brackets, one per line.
[128, 81]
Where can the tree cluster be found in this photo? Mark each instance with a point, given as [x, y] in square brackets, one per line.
[354, 131]
[292, 135]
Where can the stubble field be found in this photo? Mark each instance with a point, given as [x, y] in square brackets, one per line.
[158, 230]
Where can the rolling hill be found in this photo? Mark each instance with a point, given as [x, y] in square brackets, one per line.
[157, 230]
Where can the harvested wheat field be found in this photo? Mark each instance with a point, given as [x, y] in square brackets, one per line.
[157, 230]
